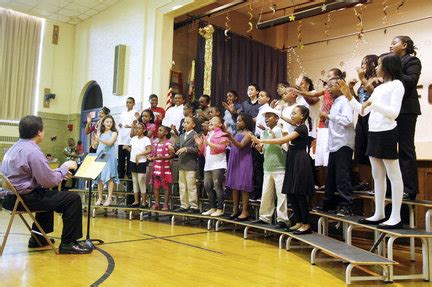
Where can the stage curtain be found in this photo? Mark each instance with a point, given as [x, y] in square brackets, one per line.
[20, 36]
[237, 62]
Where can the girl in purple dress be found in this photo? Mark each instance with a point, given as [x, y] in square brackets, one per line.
[239, 173]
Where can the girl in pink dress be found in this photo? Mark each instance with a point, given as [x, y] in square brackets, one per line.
[161, 171]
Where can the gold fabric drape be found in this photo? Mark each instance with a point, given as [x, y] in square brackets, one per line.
[20, 36]
[207, 33]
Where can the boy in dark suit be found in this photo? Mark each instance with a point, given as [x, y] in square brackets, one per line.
[187, 152]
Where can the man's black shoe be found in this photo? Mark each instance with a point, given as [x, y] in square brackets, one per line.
[181, 209]
[281, 225]
[344, 211]
[194, 210]
[363, 186]
[73, 248]
[409, 196]
[33, 243]
[259, 221]
[323, 208]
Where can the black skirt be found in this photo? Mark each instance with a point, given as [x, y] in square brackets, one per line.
[383, 145]
[138, 168]
[298, 173]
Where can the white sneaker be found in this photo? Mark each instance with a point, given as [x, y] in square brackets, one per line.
[98, 202]
[209, 212]
[107, 203]
[218, 212]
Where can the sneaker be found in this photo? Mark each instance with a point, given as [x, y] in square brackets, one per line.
[107, 203]
[344, 211]
[218, 212]
[165, 207]
[145, 206]
[98, 202]
[209, 212]
[155, 207]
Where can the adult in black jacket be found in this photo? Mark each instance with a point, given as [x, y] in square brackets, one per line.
[404, 47]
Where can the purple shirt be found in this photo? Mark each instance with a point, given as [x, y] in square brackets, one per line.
[27, 168]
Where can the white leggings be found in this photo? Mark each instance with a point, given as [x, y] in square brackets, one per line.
[139, 182]
[381, 167]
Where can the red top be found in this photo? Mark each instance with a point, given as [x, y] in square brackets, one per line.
[325, 107]
[158, 111]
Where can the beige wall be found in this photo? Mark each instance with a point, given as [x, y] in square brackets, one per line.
[322, 56]
[95, 43]
[57, 67]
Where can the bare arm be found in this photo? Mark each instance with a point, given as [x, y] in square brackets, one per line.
[244, 142]
[281, 140]
[111, 141]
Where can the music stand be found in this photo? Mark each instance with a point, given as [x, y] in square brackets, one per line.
[89, 170]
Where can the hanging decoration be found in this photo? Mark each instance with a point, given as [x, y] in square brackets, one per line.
[289, 64]
[353, 54]
[298, 61]
[227, 27]
[402, 2]
[327, 25]
[260, 15]
[384, 19]
[324, 7]
[273, 8]
[250, 19]
[291, 17]
[359, 25]
[299, 34]
[207, 33]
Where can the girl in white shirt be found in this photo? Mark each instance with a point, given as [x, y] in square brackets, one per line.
[384, 106]
[139, 148]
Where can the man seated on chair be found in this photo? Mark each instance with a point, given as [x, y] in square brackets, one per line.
[27, 169]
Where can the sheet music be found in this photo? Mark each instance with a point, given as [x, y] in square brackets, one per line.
[92, 166]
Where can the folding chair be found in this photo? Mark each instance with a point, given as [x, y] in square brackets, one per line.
[6, 184]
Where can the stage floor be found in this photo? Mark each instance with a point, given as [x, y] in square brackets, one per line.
[154, 253]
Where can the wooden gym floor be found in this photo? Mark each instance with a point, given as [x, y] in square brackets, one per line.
[154, 253]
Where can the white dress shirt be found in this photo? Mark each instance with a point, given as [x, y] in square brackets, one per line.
[260, 119]
[126, 118]
[173, 116]
[286, 113]
[340, 125]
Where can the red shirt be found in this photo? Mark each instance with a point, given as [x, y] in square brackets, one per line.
[326, 106]
[158, 111]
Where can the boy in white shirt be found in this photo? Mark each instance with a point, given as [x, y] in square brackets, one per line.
[125, 123]
[341, 146]
[174, 115]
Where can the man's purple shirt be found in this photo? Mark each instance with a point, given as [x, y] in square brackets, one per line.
[27, 167]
